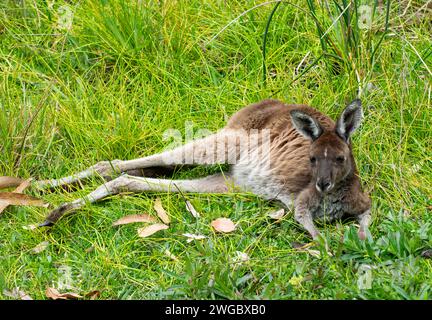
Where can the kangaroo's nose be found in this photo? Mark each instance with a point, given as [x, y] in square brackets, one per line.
[323, 185]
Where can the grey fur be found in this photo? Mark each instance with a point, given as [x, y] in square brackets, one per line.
[350, 119]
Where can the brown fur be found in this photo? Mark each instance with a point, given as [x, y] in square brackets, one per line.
[291, 167]
[311, 162]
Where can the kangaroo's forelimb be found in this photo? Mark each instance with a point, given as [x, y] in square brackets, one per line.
[364, 220]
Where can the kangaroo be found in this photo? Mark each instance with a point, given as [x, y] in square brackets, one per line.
[291, 153]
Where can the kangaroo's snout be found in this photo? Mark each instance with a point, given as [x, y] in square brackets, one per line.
[324, 185]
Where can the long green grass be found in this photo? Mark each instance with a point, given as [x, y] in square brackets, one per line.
[109, 84]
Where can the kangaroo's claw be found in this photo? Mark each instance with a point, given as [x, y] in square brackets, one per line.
[56, 214]
[46, 223]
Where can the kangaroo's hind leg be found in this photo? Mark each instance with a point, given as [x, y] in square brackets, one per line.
[217, 183]
[217, 148]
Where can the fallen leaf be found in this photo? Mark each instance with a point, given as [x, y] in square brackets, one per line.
[30, 227]
[211, 280]
[191, 237]
[242, 280]
[40, 247]
[161, 211]
[7, 182]
[53, 293]
[16, 293]
[170, 255]
[90, 249]
[298, 245]
[24, 184]
[305, 248]
[191, 209]
[308, 277]
[277, 215]
[134, 218]
[19, 199]
[93, 294]
[240, 257]
[149, 230]
[314, 253]
[223, 225]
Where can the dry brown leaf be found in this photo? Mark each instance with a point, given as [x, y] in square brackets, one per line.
[223, 225]
[3, 205]
[149, 230]
[300, 246]
[54, 294]
[277, 215]
[305, 248]
[7, 182]
[134, 218]
[16, 293]
[308, 277]
[19, 199]
[24, 184]
[314, 253]
[90, 249]
[40, 247]
[161, 211]
[93, 294]
[191, 209]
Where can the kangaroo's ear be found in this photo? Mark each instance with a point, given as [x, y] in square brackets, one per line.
[349, 120]
[306, 125]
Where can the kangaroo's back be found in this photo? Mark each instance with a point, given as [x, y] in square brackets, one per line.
[274, 115]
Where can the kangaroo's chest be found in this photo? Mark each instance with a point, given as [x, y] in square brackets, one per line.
[269, 165]
[328, 209]
[255, 178]
[254, 173]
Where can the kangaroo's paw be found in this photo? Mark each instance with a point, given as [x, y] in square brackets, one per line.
[56, 214]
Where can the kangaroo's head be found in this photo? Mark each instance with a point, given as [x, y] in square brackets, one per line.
[330, 154]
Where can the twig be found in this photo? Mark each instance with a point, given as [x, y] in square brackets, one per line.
[183, 196]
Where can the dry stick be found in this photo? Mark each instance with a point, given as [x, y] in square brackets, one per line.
[184, 198]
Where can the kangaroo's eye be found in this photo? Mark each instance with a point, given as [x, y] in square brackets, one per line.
[340, 159]
[312, 160]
